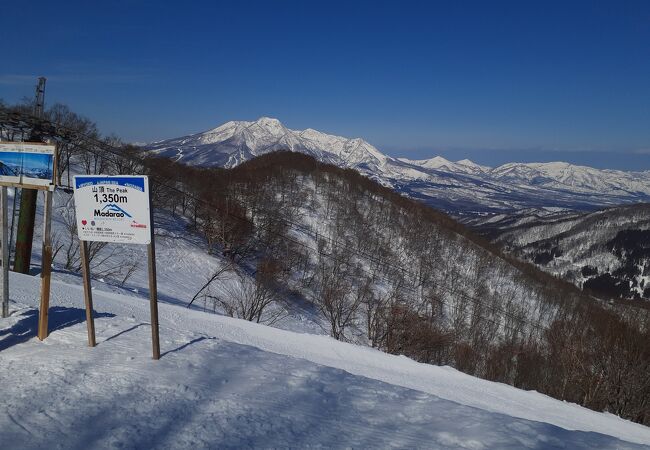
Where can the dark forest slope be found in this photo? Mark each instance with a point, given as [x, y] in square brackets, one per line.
[394, 273]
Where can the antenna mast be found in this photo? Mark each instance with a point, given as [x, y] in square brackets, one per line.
[40, 98]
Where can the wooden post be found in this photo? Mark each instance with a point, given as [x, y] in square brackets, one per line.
[4, 289]
[46, 269]
[153, 286]
[153, 298]
[25, 230]
[12, 225]
[46, 258]
[88, 293]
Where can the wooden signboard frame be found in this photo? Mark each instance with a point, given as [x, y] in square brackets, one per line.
[38, 187]
[46, 263]
[153, 287]
[46, 266]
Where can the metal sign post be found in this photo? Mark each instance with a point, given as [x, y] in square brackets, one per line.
[116, 209]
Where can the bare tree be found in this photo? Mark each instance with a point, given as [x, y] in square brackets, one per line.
[336, 297]
[250, 298]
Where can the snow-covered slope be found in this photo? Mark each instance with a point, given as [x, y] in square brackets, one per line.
[607, 252]
[457, 187]
[223, 382]
[228, 383]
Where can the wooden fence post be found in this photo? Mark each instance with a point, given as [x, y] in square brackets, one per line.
[46, 268]
[153, 286]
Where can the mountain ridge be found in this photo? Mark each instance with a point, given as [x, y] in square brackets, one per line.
[459, 188]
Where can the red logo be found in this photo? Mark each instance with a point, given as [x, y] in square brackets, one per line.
[84, 222]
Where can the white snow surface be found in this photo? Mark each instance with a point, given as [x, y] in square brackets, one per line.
[227, 383]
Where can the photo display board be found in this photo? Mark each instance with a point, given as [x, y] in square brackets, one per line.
[113, 208]
[27, 164]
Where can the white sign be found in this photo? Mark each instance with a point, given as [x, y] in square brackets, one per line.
[112, 208]
[27, 164]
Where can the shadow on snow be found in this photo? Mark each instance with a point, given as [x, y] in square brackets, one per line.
[27, 327]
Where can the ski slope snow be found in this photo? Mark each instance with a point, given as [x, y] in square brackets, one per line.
[223, 382]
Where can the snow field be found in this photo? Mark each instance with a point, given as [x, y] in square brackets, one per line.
[230, 383]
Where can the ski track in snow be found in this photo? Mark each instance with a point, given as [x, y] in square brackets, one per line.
[228, 383]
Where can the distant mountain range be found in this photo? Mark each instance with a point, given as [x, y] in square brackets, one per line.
[459, 188]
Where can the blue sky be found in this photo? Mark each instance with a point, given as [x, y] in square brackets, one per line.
[494, 81]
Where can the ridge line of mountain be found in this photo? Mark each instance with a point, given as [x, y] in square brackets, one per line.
[457, 187]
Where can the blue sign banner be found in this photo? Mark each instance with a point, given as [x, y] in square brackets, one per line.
[133, 182]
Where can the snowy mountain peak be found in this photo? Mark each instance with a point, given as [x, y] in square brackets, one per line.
[432, 163]
[310, 132]
[228, 125]
[461, 186]
[464, 166]
[470, 163]
[268, 121]
[270, 125]
[237, 141]
[436, 162]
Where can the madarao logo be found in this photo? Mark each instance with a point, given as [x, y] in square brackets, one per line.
[111, 210]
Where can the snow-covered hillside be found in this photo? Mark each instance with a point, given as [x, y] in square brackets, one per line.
[606, 251]
[223, 382]
[230, 383]
[460, 187]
